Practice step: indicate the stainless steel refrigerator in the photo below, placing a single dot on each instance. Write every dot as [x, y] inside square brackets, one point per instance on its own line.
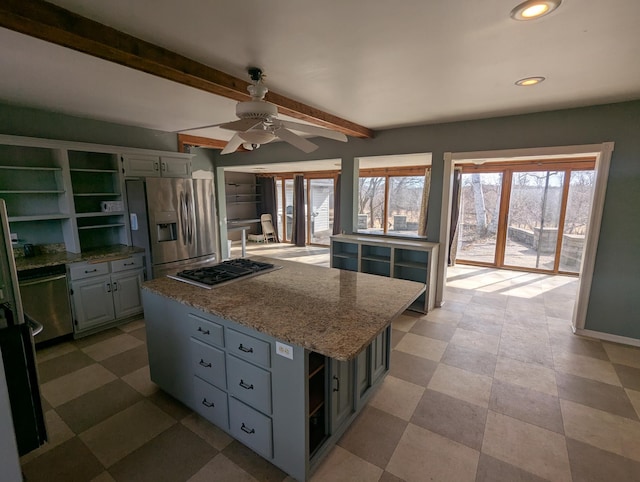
[175, 221]
[22, 426]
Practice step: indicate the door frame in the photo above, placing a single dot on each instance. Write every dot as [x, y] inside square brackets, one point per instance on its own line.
[602, 153]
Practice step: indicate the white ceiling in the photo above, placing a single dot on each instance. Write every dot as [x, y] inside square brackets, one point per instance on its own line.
[378, 63]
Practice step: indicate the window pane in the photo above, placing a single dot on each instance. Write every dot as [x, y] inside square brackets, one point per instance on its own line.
[534, 213]
[288, 195]
[479, 212]
[321, 210]
[405, 198]
[371, 205]
[279, 202]
[576, 219]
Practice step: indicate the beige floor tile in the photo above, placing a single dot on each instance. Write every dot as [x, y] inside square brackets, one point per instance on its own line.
[68, 387]
[404, 322]
[118, 436]
[528, 375]
[54, 351]
[623, 355]
[57, 433]
[634, 396]
[209, 432]
[342, 465]
[423, 455]
[422, 346]
[397, 397]
[587, 367]
[221, 469]
[476, 341]
[462, 384]
[445, 316]
[534, 449]
[112, 346]
[133, 325]
[103, 477]
[141, 381]
[601, 429]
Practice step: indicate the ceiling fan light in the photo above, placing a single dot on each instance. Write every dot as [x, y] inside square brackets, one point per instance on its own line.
[529, 81]
[257, 136]
[532, 9]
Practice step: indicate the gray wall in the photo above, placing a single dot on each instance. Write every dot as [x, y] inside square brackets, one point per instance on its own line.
[614, 297]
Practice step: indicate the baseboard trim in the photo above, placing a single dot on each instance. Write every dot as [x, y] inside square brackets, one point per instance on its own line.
[625, 340]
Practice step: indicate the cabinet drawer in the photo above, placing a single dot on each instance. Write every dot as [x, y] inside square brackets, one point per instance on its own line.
[208, 363]
[206, 330]
[249, 383]
[211, 403]
[87, 270]
[249, 348]
[126, 264]
[251, 428]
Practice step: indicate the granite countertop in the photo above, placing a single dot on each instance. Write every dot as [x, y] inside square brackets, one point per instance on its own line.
[53, 259]
[334, 312]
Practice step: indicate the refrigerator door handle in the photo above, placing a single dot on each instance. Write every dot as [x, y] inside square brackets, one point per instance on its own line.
[191, 218]
[183, 217]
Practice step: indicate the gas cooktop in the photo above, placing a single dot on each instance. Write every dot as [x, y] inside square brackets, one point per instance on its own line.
[223, 272]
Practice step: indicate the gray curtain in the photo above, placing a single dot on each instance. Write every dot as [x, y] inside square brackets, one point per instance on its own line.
[268, 201]
[455, 215]
[422, 219]
[336, 206]
[297, 233]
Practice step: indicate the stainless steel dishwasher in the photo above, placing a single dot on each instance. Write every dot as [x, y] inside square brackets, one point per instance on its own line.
[45, 298]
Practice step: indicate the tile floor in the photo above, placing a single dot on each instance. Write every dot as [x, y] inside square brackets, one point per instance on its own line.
[491, 387]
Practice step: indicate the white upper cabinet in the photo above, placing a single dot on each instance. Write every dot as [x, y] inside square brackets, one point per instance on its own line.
[144, 165]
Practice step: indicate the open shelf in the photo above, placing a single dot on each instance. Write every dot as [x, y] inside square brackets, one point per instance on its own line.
[99, 214]
[31, 168]
[38, 217]
[27, 191]
[94, 170]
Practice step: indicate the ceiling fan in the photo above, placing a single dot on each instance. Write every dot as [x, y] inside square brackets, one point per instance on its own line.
[259, 124]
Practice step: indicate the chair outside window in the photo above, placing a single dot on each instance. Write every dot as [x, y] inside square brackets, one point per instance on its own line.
[268, 232]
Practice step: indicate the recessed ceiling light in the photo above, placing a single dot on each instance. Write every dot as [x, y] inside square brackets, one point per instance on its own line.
[527, 81]
[532, 9]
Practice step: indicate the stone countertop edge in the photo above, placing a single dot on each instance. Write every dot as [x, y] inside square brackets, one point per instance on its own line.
[53, 259]
[334, 312]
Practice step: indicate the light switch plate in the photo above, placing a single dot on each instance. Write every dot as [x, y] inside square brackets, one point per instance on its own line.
[284, 350]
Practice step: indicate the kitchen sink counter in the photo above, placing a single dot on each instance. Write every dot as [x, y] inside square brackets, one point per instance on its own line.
[108, 253]
[329, 311]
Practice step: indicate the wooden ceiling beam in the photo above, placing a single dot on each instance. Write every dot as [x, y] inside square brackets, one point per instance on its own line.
[57, 25]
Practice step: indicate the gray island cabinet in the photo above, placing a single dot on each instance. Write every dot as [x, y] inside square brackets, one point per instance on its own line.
[283, 361]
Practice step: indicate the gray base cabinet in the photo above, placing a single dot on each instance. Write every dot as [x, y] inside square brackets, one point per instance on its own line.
[289, 409]
[103, 293]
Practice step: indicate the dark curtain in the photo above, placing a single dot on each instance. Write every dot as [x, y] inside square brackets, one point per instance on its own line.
[269, 201]
[297, 233]
[336, 205]
[455, 214]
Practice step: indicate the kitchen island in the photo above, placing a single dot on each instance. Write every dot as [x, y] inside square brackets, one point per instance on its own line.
[283, 361]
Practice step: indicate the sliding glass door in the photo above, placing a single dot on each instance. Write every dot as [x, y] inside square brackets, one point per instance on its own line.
[320, 222]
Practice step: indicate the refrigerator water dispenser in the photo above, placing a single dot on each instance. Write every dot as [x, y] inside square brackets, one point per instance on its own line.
[167, 226]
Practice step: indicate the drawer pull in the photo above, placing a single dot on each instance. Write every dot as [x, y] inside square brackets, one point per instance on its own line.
[337, 389]
[245, 386]
[247, 430]
[245, 349]
[204, 332]
[205, 364]
[87, 271]
[129, 264]
[208, 404]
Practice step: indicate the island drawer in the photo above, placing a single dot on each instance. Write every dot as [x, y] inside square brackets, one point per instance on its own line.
[249, 383]
[211, 403]
[87, 270]
[249, 348]
[206, 330]
[208, 363]
[126, 264]
[250, 427]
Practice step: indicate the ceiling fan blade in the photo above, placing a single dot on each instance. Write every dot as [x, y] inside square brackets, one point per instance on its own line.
[314, 130]
[232, 145]
[241, 125]
[295, 140]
